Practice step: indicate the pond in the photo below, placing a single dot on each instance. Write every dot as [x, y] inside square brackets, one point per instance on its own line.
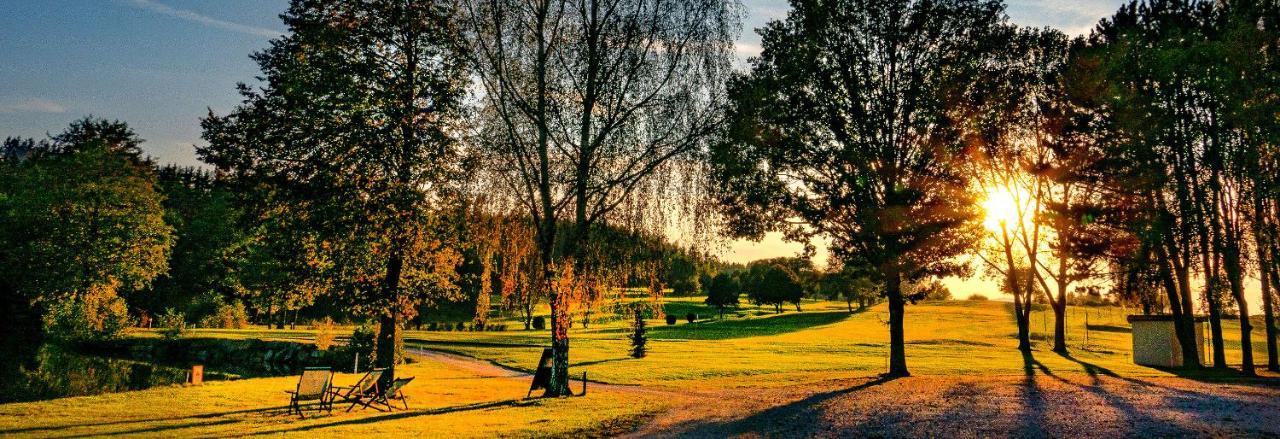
[50, 371]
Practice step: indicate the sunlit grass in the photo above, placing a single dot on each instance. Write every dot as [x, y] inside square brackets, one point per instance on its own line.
[750, 348]
[444, 402]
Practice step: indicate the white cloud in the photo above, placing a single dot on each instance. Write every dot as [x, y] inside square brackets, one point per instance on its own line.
[159, 8]
[32, 106]
[746, 50]
[1074, 17]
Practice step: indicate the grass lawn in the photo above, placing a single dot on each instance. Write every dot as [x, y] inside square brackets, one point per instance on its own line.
[825, 342]
[444, 401]
[797, 352]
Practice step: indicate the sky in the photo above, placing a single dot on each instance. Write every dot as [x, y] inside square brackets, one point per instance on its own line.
[161, 65]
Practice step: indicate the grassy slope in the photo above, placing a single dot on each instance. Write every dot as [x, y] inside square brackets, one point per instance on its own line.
[752, 349]
[825, 342]
[446, 402]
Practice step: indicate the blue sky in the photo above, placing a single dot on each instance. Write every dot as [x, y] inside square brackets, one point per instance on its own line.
[158, 64]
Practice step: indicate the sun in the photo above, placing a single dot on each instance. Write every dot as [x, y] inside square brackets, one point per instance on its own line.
[1001, 208]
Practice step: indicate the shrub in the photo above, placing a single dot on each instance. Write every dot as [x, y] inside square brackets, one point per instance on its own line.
[539, 323]
[691, 317]
[324, 334]
[977, 297]
[639, 335]
[94, 317]
[461, 327]
[227, 316]
[362, 343]
[431, 326]
[172, 323]
[671, 319]
[931, 290]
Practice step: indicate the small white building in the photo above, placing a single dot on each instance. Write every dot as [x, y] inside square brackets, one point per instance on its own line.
[1155, 341]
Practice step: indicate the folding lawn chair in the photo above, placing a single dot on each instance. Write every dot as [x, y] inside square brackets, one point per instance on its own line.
[367, 387]
[313, 385]
[392, 393]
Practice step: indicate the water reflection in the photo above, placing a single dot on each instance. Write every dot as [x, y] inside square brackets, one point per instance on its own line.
[49, 371]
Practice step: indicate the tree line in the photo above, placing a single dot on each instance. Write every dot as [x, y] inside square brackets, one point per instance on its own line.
[1137, 156]
[391, 152]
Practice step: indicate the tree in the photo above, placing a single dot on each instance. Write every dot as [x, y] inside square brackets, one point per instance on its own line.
[205, 214]
[772, 284]
[850, 126]
[1149, 76]
[638, 335]
[1247, 82]
[1040, 208]
[517, 270]
[82, 222]
[929, 289]
[722, 291]
[585, 102]
[378, 86]
[682, 273]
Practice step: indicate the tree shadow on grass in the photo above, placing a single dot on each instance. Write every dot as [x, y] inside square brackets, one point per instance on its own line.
[407, 414]
[1221, 375]
[157, 429]
[53, 428]
[742, 328]
[780, 420]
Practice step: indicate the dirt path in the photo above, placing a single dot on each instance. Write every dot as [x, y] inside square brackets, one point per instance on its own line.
[1041, 404]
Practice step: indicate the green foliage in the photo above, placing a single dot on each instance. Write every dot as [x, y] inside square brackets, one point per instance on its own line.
[931, 290]
[768, 283]
[639, 334]
[671, 319]
[324, 334]
[853, 125]
[227, 316]
[374, 178]
[205, 266]
[682, 274]
[172, 324]
[723, 291]
[95, 316]
[362, 343]
[84, 218]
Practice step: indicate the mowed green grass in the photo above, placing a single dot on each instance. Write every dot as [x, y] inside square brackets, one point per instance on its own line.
[823, 342]
[752, 349]
[444, 402]
[753, 346]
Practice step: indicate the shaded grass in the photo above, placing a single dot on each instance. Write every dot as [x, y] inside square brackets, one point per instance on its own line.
[444, 401]
[740, 328]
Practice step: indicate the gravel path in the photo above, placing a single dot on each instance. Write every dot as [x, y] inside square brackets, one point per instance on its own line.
[1039, 404]
[1000, 406]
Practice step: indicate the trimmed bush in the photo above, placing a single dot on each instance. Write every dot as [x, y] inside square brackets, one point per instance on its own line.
[691, 317]
[324, 334]
[671, 319]
[174, 324]
[93, 317]
[363, 342]
[638, 335]
[539, 323]
[227, 316]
